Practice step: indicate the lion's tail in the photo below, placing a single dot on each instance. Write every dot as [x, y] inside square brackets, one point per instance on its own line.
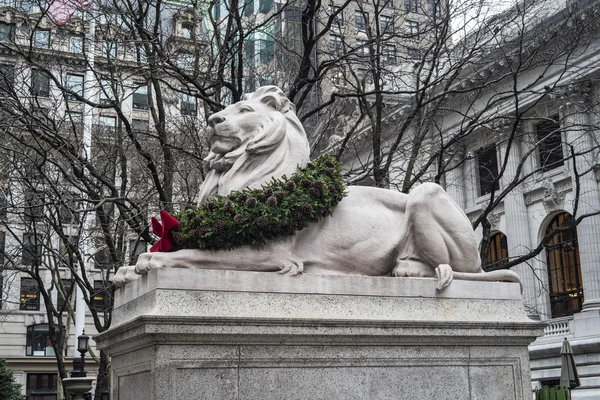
[504, 275]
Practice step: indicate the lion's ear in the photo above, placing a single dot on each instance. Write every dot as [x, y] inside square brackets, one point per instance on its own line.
[268, 139]
[273, 100]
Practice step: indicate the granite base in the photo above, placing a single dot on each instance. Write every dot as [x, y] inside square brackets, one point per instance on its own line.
[206, 334]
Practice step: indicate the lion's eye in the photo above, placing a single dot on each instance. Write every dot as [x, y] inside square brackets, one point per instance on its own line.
[245, 110]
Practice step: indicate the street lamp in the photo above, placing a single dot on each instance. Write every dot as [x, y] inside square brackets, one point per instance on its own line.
[83, 345]
[79, 384]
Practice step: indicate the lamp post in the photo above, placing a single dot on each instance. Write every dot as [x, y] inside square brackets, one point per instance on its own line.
[79, 384]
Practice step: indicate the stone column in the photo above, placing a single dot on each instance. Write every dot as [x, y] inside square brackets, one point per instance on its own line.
[516, 222]
[455, 179]
[579, 133]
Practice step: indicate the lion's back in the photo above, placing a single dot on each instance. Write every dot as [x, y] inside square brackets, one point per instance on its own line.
[362, 236]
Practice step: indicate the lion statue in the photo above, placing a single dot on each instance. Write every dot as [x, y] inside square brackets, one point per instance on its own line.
[373, 231]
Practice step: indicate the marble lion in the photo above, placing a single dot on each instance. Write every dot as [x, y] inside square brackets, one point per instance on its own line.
[374, 232]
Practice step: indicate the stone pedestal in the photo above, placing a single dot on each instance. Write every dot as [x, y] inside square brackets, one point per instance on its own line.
[199, 334]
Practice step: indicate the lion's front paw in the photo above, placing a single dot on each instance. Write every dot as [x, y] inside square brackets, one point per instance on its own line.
[147, 262]
[444, 275]
[125, 275]
[292, 268]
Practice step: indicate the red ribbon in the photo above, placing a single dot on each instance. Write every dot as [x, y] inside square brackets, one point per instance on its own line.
[164, 232]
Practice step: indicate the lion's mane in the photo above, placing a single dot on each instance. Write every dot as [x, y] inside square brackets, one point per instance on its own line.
[275, 151]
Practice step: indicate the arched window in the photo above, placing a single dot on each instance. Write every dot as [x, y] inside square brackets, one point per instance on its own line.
[497, 254]
[564, 272]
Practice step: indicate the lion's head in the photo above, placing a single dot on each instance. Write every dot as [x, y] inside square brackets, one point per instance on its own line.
[253, 140]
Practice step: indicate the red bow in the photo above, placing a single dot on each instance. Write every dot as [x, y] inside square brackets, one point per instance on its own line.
[164, 232]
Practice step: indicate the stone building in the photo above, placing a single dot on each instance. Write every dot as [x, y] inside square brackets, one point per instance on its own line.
[45, 70]
[517, 145]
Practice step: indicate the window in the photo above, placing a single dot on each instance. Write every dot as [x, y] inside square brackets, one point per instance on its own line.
[34, 202]
[109, 49]
[412, 29]
[564, 271]
[38, 343]
[338, 19]
[7, 32]
[433, 7]
[487, 167]
[106, 92]
[7, 79]
[360, 20]
[264, 6]
[74, 121]
[30, 295]
[3, 202]
[248, 8]
[186, 31]
[266, 48]
[339, 76]
[69, 250]
[74, 83]
[42, 386]
[389, 54]
[68, 213]
[362, 48]
[550, 144]
[40, 83]
[141, 54]
[99, 297]
[249, 50]
[185, 61]
[140, 125]
[364, 76]
[2, 250]
[387, 4]
[107, 124]
[413, 53]
[336, 45]
[135, 249]
[64, 296]
[41, 38]
[497, 254]
[76, 44]
[411, 5]
[189, 105]
[140, 97]
[386, 24]
[101, 255]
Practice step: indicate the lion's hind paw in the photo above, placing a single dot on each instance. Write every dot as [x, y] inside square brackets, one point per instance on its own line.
[292, 268]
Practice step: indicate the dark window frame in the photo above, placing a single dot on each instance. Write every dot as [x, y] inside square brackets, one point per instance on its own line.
[337, 20]
[487, 170]
[550, 144]
[72, 86]
[497, 254]
[565, 282]
[187, 107]
[140, 97]
[29, 295]
[41, 391]
[40, 83]
[361, 19]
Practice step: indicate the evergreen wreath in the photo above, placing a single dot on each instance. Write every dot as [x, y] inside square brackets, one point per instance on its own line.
[254, 216]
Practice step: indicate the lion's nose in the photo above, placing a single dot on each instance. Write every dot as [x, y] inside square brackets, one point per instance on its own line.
[215, 119]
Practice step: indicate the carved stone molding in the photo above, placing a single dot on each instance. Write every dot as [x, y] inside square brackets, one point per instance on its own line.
[578, 93]
[494, 219]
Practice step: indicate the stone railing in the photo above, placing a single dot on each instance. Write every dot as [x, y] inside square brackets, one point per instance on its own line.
[558, 326]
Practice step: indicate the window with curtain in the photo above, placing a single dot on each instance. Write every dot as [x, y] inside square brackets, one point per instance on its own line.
[497, 254]
[564, 271]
